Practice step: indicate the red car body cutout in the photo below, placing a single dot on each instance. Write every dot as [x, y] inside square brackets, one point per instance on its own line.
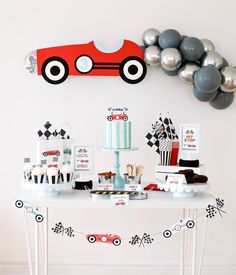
[117, 117]
[104, 238]
[51, 153]
[56, 63]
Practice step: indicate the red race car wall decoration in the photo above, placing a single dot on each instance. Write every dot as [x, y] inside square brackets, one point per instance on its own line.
[55, 64]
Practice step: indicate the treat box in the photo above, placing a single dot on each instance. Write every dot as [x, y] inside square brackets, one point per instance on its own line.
[162, 171]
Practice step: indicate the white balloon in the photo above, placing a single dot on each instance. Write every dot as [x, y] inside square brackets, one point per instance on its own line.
[170, 59]
[152, 55]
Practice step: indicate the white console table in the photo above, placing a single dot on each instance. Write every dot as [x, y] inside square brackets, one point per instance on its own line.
[156, 200]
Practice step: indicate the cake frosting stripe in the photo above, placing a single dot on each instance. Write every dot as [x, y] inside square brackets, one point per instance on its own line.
[125, 134]
[118, 143]
[129, 135]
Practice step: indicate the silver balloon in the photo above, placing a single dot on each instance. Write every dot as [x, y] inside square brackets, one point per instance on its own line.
[213, 58]
[150, 37]
[31, 62]
[187, 72]
[170, 59]
[208, 45]
[229, 79]
[152, 55]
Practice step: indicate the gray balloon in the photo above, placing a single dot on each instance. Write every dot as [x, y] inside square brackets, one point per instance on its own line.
[208, 45]
[169, 39]
[150, 37]
[229, 79]
[187, 72]
[205, 97]
[212, 58]
[171, 73]
[192, 48]
[152, 55]
[222, 100]
[170, 59]
[207, 79]
[183, 37]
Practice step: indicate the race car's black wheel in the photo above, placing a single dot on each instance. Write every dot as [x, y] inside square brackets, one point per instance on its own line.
[19, 204]
[55, 70]
[116, 242]
[92, 239]
[167, 233]
[125, 118]
[39, 218]
[133, 69]
[190, 224]
[109, 118]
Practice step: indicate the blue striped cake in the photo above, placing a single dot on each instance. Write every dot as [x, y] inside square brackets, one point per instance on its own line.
[117, 134]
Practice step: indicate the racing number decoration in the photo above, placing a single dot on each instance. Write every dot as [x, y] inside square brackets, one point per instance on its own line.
[57, 63]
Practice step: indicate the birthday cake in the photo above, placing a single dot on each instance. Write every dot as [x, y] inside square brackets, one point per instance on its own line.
[117, 132]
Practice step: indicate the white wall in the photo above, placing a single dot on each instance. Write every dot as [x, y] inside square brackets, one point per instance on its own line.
[29, 101]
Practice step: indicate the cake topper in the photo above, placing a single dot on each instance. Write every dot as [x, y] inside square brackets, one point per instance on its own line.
[118, 114]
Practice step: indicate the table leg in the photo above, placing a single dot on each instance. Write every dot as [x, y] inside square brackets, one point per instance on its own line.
[27, 238]
[46, 241]
[182, 246]
[194, 256]
[187, 248]
[203, 245]
[36, 248]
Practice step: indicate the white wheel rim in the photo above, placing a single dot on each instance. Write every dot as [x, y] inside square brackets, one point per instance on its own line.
[56, 64]
[133, 76]
[104, 239]
[116, 242]
[29, 209]
[84, 64]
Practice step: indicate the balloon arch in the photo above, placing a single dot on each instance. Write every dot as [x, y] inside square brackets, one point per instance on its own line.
[195, 62]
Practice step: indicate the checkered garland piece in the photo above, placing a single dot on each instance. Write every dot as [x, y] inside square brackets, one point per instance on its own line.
[162, 129]
[48, 131]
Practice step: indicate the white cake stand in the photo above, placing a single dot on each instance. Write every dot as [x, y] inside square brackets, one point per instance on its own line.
[45, 189]
[183, 190]
[119, 181]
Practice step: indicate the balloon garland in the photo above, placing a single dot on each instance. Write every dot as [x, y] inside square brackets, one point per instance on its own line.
[195, 62]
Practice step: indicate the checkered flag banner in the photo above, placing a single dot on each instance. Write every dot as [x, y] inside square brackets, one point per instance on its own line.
[162, 129]
[48, 131]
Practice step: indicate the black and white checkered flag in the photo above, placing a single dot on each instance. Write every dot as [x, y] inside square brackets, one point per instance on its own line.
[162, 129]
[47, 131]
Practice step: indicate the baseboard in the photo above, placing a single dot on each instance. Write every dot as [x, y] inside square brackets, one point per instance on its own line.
[72, 269]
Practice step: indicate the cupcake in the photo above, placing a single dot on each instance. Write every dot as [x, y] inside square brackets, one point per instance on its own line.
[38, 174]
[66, 172]
[52, 174]
[27, 170]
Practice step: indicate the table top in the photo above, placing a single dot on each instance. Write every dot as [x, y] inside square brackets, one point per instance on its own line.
[156, 200]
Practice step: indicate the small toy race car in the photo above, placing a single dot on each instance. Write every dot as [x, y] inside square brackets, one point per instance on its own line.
[187, 223]
[30, 209]
[51, 153]
[104, 238]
